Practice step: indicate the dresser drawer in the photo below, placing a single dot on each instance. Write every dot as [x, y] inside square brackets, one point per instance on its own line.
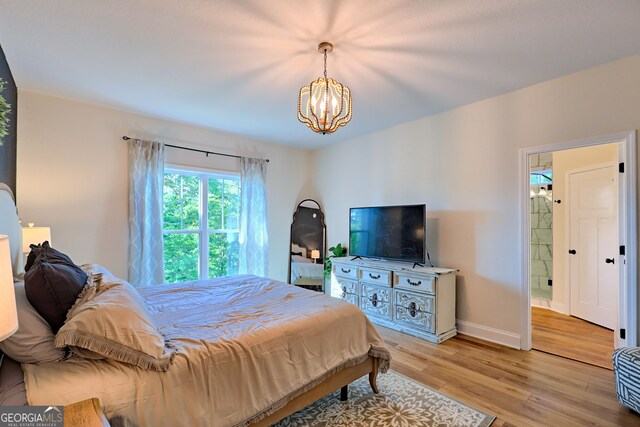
[415, 319]
[347, 272]
[411, 301]
[376, 277]
[415, 283]
[347, 286]
[352, 298]
[376, 307]
[373, 292]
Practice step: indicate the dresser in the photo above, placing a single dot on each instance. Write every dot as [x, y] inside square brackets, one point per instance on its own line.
[419, 301]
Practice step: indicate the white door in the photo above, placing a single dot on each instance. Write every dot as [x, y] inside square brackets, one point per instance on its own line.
[593, 245]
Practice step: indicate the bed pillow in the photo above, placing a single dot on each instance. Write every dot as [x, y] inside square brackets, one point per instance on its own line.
[96, 269]
[300, 258]
[53, 255]
[12, 388]
[52, 284]
[33, 341]
[113, 322]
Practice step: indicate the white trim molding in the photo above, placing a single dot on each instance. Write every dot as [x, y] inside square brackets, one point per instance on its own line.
[560, 308]
[486, 333]
[549, 305]
[628, 292]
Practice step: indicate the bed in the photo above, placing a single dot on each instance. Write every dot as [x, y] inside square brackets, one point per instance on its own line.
[245, 351]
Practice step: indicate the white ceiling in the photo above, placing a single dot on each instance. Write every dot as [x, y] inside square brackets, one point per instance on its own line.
[237, 65]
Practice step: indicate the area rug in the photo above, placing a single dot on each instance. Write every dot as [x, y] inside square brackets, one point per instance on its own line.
[402, 402]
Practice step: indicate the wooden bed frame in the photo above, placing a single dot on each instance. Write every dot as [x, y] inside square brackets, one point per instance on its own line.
[339, 380]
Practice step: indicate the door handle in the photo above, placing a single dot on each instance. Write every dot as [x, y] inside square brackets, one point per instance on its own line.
[572, 251]
[610, 261]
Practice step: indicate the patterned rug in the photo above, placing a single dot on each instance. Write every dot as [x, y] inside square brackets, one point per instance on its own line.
[402, 402]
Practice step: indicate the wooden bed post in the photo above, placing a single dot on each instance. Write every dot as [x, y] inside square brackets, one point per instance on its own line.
[344, 393]
[373, 375]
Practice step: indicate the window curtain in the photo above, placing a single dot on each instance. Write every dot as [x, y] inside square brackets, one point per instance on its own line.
[253, 238]
[146, 181]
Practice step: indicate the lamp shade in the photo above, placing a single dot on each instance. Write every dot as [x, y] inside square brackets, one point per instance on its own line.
[34, 236]
[8, 312]
[315, 254]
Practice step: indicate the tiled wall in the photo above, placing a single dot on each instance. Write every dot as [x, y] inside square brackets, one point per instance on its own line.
[541, 233]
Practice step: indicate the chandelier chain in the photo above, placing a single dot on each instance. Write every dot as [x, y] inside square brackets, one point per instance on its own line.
[325, 64]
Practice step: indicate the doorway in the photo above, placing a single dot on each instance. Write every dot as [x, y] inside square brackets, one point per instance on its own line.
[576, 211]
[574, 235]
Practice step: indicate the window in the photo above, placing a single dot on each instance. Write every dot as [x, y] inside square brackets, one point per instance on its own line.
[541, 177]
[201, 223]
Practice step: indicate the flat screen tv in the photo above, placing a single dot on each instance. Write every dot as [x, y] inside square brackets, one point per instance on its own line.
[388, 232]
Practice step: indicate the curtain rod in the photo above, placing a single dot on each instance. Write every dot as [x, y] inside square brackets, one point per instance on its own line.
[126, 138]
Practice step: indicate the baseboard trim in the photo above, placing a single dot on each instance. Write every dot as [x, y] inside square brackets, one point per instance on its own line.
[550, 305]
[487, 333]
[560, 308]
[542, 303]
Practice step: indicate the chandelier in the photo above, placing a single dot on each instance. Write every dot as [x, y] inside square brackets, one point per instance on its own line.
[325, 104]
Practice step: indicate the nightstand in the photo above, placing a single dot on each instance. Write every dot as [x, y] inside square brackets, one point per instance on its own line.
[85, 414]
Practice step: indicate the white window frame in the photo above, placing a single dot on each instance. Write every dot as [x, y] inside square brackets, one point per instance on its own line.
[203, 229]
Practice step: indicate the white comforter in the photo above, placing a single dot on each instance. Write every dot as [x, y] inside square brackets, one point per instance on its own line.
[245, 346]
[301, 270]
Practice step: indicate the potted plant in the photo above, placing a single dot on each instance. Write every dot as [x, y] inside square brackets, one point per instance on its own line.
[5, 109]
[336, 251]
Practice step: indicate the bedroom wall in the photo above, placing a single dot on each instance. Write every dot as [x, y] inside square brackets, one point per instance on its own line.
[464, 165]
[73, 175]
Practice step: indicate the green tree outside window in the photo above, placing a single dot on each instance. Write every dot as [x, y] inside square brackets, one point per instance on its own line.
[200, 234]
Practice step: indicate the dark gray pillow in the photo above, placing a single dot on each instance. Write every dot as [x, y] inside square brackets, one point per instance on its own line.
[53, 284]
[53, 255]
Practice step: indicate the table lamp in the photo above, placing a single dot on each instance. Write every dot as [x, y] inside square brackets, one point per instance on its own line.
[315, 254]
[8, 312]
[34, 236]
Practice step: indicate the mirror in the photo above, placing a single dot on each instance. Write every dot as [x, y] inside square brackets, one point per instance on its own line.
[307, 246]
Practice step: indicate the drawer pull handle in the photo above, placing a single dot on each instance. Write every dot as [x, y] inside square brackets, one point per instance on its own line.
[412, 309]
[343, 295]
[374, 276]
[374, 300]
[345, 270]
[344, 289]
[418, 283]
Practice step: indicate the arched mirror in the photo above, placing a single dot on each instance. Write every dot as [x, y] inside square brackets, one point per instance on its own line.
[307, 249]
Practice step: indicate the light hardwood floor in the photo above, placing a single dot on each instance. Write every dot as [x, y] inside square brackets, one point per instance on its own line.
[521, 388]
[571, 337]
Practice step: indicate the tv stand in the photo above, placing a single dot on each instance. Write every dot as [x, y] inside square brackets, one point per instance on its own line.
[419, 302]
[356, 257]
[418, 264]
